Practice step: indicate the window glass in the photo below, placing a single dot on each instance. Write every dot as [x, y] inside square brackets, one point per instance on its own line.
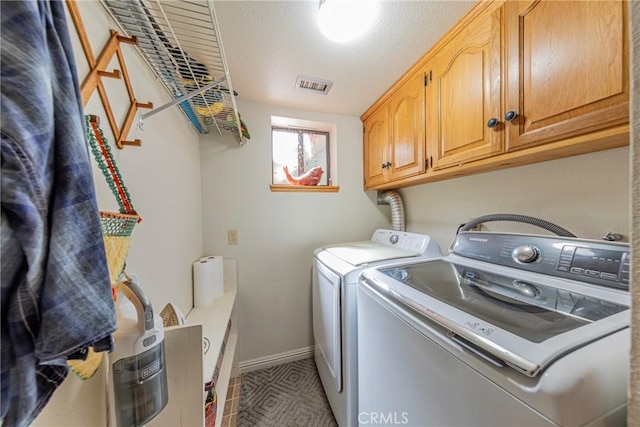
[298, 151]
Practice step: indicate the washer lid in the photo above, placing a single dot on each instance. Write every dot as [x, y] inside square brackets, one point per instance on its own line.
[362, 253]
[524, 320]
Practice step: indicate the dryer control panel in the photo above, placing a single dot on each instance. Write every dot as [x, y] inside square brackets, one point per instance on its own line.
[420, 243]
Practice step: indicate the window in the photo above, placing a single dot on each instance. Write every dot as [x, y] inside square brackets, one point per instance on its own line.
[299, 150]
[301, 153]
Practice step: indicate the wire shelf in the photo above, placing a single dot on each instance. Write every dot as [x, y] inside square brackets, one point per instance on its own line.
[180, 41]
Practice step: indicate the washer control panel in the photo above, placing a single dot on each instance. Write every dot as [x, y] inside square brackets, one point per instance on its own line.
[595, 262]
[591, 261]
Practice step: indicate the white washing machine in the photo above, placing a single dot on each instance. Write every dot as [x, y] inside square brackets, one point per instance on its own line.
[336, 270]
[507, 330]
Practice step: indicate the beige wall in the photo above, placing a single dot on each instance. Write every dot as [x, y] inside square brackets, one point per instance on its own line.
[587, 194]
[278, 231]
[163, 177]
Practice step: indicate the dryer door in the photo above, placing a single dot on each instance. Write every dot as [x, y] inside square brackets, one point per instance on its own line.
[326, 321]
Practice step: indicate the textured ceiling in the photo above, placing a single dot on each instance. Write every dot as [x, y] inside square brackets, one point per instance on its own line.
[269, 43]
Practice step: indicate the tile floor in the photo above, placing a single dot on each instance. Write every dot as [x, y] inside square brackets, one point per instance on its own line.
[230, 415]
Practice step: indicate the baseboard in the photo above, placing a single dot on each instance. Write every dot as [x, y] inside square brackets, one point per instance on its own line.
[275, 359]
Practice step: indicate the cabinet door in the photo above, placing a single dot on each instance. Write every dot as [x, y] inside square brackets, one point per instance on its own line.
[376, 146]
[463, 94]
[183, 353]
[568, 69]
[406, 112]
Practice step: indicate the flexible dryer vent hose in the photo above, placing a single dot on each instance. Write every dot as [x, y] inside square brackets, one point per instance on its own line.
[393, 199]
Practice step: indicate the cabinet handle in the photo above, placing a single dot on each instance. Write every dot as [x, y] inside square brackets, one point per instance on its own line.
[384, 166]
[493, 122]
[510, 115]
[428, 78]
[388, 164]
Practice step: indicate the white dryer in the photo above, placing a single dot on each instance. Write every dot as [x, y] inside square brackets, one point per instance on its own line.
[336, 270]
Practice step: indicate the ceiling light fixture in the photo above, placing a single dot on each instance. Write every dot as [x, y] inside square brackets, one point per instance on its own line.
[346, 20]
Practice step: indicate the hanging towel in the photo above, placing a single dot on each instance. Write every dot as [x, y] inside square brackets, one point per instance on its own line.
[56, 295]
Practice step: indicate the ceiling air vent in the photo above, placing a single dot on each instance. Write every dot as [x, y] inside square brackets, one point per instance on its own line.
[313, 84]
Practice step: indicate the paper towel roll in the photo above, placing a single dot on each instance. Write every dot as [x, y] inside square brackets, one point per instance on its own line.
[208, 281]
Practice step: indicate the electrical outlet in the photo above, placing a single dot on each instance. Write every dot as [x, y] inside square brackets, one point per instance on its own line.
[232, 237]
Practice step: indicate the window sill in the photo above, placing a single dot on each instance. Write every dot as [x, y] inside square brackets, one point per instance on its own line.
[304, 188]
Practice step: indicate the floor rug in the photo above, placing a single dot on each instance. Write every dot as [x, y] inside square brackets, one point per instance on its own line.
[288, 395]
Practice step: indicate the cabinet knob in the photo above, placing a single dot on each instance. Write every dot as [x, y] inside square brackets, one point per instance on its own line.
[493, 122]
[510, 115]
[388, 164]
[384, 166]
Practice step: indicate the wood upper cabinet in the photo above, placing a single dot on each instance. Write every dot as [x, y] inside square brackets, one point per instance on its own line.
[406, 126]
[394, 141]
[463, 93]
[567, 69]
[513, 83]
[376, 147]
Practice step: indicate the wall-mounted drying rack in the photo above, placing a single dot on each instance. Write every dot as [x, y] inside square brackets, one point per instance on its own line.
[180, 41]
[97, 70]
